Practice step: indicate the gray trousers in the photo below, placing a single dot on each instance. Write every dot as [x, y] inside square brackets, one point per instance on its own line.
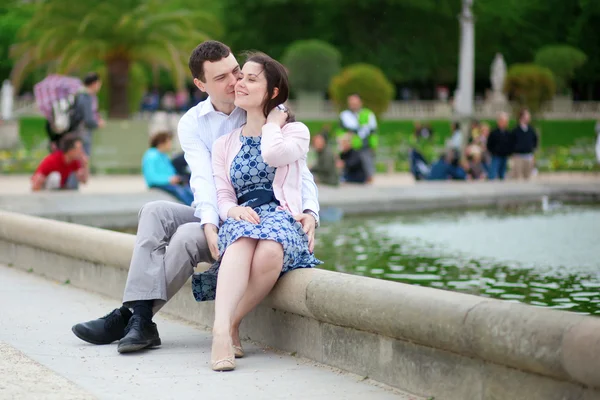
[170, 242]
[367, 156]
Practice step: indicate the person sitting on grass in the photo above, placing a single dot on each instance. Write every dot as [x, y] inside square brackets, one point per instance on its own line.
[62, 169]
[350, 162]
[159, 172]
[324, 170]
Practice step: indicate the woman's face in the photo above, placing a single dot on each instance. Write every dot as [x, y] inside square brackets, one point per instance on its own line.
[251, 88]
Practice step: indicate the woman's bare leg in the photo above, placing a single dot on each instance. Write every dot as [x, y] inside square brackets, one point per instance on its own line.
[232, 281]
[264, 272]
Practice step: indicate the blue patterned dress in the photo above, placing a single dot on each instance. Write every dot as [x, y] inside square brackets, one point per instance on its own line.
[250, 173]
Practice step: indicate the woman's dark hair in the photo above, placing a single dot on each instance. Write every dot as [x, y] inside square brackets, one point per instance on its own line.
[277, 77]
[160, 138]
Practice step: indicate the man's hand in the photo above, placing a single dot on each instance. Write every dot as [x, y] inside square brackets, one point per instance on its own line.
[174, 180]
[101, 123]
[308, 223]
[212, 238]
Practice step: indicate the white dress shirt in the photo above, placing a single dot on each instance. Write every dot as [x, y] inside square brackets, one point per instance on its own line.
[197, 130]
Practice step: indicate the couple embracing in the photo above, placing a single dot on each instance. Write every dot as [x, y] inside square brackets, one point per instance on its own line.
[254, 214]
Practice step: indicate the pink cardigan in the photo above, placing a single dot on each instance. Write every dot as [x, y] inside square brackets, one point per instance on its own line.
[282, 148]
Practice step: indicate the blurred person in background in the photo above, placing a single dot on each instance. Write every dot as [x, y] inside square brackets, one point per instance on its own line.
[524, 143]
[363, 123]
[350, 162]
[159, 172]
[325, 170]
[64, 168]
[85, 101]
[500, 147]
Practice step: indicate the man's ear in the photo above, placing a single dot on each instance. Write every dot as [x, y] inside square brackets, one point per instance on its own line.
[199, 84]
[275, 93]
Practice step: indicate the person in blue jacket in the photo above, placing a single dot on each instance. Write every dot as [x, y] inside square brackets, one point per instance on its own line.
[159, 172]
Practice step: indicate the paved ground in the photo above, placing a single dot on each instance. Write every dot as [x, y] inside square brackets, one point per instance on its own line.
[114, 201]
[105, 184]
[41, 359]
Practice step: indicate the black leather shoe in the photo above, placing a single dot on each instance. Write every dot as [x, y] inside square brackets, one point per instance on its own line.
[104, 330]
[140, 333]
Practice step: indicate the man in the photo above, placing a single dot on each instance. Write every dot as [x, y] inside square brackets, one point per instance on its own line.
[500, 146]
[84, 108]
[324, 170]
[170, 239]
[362, 122]
[350, 161]
[524, 143]
[62, 169]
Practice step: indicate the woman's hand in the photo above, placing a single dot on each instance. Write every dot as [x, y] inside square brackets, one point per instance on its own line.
[212, 238]
[244, 214]
[278, 116]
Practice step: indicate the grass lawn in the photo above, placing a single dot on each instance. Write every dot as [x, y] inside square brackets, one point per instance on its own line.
[565, 144]
[553, 132]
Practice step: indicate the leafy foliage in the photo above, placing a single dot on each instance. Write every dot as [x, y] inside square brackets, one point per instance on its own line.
[530, 85]
[72, 36]
[366, 80]
[311, 64]
[562, 60]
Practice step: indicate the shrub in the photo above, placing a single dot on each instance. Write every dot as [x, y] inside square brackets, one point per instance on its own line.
[366, 80]
[311, 64]
[530, 85]
[562, 60]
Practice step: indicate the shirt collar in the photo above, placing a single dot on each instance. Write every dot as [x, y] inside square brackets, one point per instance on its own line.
[206, 107]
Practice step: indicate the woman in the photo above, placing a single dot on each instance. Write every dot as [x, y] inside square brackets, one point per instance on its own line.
[159, 172]
[257, 171]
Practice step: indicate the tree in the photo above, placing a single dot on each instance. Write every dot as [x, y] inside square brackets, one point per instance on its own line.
[368, 81]
[72, 36]
[562, 60]
[530, 85]
[311, 64]
[13, 15]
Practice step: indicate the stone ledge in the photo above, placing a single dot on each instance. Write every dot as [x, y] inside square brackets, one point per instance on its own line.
[385, 330]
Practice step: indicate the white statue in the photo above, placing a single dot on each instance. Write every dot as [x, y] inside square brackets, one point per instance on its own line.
[498, 73]
[497, 77]
[6, 100]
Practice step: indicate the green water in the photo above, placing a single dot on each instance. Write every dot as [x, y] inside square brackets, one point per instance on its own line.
[549, 259]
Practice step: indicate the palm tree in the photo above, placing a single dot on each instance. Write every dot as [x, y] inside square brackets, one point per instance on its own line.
[72, 36]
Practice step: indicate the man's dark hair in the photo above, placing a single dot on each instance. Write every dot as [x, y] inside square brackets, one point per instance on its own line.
[68, 142]
[212, 51]
[91, 78]
[160, 138]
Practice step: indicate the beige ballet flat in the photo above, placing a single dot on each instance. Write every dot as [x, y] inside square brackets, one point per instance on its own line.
[226, 364]
[238, 351]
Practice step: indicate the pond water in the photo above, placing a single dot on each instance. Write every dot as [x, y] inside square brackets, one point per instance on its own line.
[543, 258]
[524, 254]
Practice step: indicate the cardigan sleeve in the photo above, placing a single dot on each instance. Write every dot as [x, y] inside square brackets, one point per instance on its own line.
[283, 146]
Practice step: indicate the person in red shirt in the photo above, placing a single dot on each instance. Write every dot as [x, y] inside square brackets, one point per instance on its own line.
[62, 169]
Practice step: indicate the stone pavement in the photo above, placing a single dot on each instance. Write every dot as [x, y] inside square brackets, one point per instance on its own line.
[112, 184]
[41, 359]
[114, 201]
